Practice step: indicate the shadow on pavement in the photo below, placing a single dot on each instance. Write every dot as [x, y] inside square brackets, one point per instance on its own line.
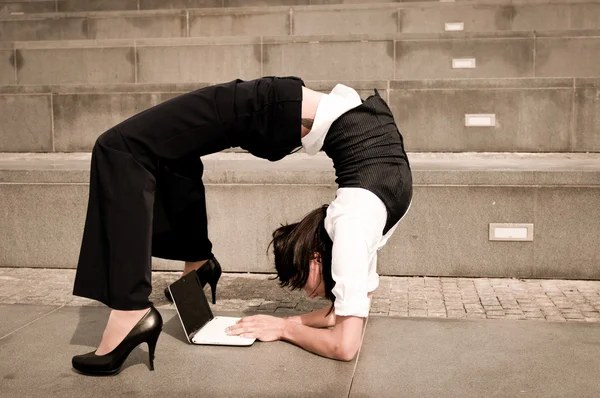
[173, 328]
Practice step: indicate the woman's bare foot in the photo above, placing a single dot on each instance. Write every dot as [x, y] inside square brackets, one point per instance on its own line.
[118, 327]
[192, 266]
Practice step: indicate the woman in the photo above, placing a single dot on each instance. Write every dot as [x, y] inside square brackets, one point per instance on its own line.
[332, 252]
[147, 198]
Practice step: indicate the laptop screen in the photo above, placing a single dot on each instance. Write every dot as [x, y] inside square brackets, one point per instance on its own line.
[191, 303]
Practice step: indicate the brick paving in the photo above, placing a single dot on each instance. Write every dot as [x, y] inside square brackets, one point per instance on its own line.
[432, 297]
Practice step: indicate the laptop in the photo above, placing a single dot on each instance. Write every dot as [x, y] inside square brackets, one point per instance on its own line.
[199, 324]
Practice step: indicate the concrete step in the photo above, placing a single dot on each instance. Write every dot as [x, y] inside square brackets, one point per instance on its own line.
[446, 232]
[302, 20]
[43, 6]
[11, 7]
[531, 115]
[338, 57]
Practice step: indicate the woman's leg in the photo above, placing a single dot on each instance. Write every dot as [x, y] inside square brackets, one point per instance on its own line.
[114, 262]
[129, 164]
[180, 221]
[180, 230]
[115, 258]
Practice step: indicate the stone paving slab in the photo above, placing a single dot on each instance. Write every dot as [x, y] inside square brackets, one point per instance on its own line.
[399, 357]
[36, 362]
[431, 297]
[14, 317]
[471, 358]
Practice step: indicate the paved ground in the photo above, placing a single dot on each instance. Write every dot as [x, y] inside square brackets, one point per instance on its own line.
[399, 357]
[454, 298]
[408, 349]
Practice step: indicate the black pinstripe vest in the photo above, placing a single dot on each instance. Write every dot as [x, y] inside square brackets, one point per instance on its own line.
[368, 152]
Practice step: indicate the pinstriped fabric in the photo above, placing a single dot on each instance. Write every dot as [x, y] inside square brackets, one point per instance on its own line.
[368, 152]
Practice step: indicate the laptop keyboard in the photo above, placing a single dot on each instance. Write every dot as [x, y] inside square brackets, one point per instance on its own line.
[214, 333]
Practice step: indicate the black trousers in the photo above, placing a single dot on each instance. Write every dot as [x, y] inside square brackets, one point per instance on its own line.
[146, 194]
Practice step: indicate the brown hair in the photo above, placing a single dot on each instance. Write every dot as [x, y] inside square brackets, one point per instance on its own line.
[294, 245]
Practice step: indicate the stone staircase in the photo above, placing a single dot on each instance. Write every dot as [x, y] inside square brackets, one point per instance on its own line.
[336, 19]
[501, 119]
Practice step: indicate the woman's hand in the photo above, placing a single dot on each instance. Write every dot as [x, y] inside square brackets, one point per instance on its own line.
[261, 327]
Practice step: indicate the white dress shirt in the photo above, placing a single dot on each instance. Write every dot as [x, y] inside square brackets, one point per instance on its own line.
[355, 219]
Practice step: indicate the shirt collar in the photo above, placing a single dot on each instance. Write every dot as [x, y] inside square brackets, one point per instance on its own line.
[333, 105]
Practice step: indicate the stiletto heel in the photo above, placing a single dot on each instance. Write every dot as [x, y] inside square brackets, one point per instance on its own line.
[210, 273]
[146, 330]
[213, 290]
[152, 348]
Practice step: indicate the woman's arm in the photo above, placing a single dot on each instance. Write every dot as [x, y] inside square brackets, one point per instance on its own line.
[342, 342]
[322, 318]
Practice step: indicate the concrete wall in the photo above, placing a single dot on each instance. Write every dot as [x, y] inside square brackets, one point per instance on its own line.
[444, 233]
[6, 7]
[323, 20]
[358, 57]
[532, 115]
[39, 6]
[587, 116]
[7, 69]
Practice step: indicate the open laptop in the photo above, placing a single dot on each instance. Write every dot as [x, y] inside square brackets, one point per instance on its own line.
[199, 324]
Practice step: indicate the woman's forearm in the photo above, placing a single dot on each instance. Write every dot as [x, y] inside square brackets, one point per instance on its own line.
[341, 342]
[321, 318]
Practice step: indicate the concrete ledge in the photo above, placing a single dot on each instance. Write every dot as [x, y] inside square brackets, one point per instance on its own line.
[337, 19]
[189, 41]
[554, 114]
[16, 8]
[445, 233]
[429, 169]
[345, 57]
[320, 85]
[186, 41]
[8, 7]
[473, 84]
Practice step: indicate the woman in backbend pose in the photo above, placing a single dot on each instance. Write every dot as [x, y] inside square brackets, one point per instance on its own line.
[147, 199]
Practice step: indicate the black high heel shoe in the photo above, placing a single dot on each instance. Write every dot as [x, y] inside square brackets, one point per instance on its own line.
[209, 272]
[146, 330]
